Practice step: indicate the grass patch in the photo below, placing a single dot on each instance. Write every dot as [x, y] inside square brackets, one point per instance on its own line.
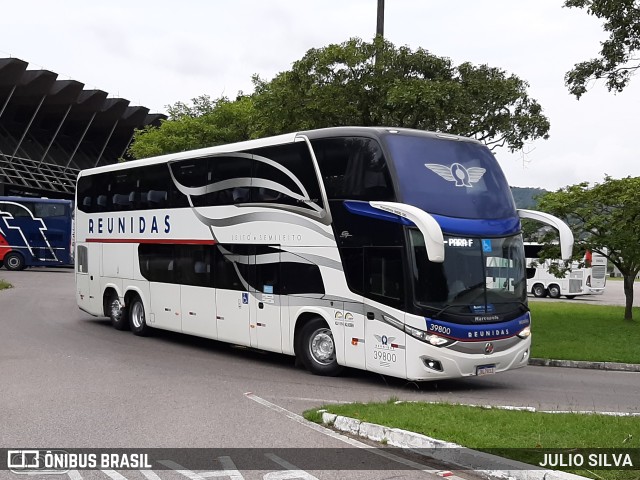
[573, 331]
[493, 429]
[4, 284]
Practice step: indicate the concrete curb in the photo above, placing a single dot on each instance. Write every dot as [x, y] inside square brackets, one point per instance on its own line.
[450, 453]
[620, 367]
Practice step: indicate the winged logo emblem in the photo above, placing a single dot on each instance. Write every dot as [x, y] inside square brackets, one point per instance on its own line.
[383, 339]
[463, 177]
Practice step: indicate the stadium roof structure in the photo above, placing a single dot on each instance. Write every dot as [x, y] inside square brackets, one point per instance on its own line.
[51, 129]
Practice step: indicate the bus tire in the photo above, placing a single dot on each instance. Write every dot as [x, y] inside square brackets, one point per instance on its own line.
[317, 348]
[117, 313]
[554, 291]
[14, 261]
[539, 291]
[137, 318]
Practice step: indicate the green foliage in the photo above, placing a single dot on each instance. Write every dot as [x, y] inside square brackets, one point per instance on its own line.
[604, 219]
[4, 284]
[359, 83]
[526, 197]
[520, 435]
[618, 59]
[203, 124]
[556, 325]
[373, 84]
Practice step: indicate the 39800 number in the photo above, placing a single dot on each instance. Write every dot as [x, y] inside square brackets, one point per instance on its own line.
[384, 356]
[440, 329]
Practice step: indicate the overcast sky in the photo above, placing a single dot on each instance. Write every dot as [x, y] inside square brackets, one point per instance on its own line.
[158, 52]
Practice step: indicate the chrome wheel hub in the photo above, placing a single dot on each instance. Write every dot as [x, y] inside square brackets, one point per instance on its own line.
[322, 347]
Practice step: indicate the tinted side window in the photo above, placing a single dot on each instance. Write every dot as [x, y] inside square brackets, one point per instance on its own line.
[384, 275]
[194, 265]
[218, 180]
[157, 263]
[18, 211]
[152, 187]
[228, 273]
[353, 262]
[51, 210]
[300, 278]
[83, 259]
[138, 188]
[86, 193]
[275, 185]
[353, 168]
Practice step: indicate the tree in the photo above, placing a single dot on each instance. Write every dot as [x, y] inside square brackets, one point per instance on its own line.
[204, 123]
[617, 61]
[360, 83]
[604, 219]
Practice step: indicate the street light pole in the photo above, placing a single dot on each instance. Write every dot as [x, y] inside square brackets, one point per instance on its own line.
[380, 22]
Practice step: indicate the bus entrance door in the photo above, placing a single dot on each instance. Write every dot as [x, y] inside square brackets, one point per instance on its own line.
[266, 329]
[232, 298]
[87, 276]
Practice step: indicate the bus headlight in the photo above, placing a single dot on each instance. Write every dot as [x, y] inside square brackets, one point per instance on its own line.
[525, 332]
[434, 340]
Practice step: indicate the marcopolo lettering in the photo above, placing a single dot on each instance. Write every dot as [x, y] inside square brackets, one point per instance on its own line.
[130, 225]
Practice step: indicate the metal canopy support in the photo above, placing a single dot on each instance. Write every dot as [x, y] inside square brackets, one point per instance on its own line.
[106, 142]
[26, 130]
[55, 135]
[6, 102]
[86, 129]
[127, 146]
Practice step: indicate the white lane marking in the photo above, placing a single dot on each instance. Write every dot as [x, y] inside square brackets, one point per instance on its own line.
[343, 438]
[230, 470]
[114, 475]
[150, 475]
[74, 475]
[291, 473]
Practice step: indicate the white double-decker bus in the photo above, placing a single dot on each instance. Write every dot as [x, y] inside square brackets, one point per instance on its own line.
[587, 277]
[390, 250]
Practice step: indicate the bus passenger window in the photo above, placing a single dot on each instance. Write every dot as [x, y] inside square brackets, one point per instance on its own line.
[385, 275]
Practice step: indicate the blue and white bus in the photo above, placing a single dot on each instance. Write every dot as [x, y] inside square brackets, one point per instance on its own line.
[35, 232]
[390, 250]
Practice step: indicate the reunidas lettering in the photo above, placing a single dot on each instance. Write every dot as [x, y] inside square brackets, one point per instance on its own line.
[130, 225]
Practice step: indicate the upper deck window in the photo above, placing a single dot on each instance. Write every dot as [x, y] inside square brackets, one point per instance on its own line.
[353, 168]
[449, 177]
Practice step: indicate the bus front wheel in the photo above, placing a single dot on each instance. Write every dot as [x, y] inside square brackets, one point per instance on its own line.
[137, 318]
[539, 291]
[554, 291]
[317, 348]
[14, 261]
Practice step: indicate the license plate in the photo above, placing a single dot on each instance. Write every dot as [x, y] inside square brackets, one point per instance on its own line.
[485, 370]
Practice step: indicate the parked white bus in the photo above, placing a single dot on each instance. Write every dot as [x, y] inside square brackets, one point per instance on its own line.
[588, 279]
[390, 250]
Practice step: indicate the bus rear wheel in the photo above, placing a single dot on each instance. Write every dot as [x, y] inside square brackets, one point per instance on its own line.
[137, 318]
[117, 313]
[14, 261]
[539, 291]
[317, 348]
[554, 291]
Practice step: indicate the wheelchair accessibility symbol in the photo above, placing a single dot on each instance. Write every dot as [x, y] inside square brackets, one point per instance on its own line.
[245, 298]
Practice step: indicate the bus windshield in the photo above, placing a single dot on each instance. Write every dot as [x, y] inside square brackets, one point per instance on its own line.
[451, 178]
[478, 273]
